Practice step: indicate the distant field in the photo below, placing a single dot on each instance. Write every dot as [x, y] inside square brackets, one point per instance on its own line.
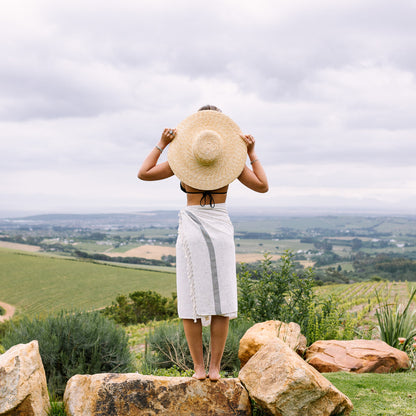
[40, 282]
[145, 251]
[17, 246]
[36, 283]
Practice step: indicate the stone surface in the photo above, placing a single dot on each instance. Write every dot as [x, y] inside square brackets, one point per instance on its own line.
[23, 389]
[282, 383]
[357, 356]
[262, 333]
[136, 394]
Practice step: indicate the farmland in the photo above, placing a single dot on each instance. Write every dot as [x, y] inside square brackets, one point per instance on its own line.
[84, 261]
[37, 284]
[360, 300]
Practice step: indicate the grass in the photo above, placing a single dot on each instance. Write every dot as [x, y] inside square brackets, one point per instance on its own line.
[378, 394]
[38, 284]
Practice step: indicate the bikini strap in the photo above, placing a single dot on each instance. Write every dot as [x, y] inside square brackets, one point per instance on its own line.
[205, 195]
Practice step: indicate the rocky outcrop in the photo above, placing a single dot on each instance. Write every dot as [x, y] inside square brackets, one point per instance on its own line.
[357, 356]
[262, 333]
[282, 383]
[136, 394]
[23, 389]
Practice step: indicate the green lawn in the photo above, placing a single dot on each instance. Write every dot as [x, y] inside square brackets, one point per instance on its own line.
[37, 284]
[378, 394]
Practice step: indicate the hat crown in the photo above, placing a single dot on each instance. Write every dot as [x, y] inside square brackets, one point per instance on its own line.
[206, 147]
[207, 152]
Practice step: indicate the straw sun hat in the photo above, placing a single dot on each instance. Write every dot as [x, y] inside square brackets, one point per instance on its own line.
[207, 152]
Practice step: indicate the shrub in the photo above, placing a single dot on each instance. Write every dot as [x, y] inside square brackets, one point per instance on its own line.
[141, 307]
[2, 311]
[276, 292]
[326, 321]
[166, 347]
[396, 321]
[73, 343]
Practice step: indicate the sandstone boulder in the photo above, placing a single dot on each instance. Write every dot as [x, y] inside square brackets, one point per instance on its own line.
[358, 356]
[23, 389]
[283, 384]
[262, 333]
[136, 394]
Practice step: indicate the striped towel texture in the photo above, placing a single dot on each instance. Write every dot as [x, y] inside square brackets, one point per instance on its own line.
[205, 264]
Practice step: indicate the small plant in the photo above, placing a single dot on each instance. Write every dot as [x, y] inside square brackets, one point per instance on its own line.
[57, 408]
[166, 347]
[73, 343]
[2, 311]
[395, 322]
[412, 354]
[328, 321]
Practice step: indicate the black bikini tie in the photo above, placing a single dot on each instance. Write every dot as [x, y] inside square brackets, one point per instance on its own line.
[205, 195]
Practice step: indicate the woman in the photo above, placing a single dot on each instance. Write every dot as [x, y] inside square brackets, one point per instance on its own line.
[207, 153]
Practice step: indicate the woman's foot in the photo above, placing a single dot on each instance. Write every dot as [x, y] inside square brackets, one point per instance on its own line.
[200, 373]
[214, 375]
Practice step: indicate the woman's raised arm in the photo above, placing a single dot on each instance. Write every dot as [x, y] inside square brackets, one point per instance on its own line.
[255, 179]
[150, 169]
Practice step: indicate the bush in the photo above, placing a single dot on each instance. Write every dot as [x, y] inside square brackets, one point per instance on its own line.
[73, 343]
[166, 347]
[276, 292]
[326, 321]
[2, 311]
[141, 307]
[396, 321]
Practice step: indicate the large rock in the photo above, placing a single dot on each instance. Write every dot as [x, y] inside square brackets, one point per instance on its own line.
[357, 356]
[262, 333]
[136, 394]
[23, 389]
[283, 384]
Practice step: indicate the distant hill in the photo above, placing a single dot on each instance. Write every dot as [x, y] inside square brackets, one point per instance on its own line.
[151, 218]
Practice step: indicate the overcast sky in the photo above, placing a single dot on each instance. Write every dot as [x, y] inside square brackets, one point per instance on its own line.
[326, 87]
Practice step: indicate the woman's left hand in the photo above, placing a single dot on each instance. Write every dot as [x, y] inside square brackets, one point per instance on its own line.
[167, 136]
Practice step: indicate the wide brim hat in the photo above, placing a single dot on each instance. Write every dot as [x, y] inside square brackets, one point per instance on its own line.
[207, 152]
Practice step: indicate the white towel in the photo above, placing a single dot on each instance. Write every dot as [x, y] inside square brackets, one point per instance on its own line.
[205, 264]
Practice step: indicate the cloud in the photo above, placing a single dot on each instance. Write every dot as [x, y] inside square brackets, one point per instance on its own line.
[327, 88]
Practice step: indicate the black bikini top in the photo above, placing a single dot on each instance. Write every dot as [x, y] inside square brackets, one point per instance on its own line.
[206, 195]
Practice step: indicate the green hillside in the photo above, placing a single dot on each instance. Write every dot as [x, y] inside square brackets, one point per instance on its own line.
[37, 284]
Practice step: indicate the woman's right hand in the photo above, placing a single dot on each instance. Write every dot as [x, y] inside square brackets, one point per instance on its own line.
[250, 142]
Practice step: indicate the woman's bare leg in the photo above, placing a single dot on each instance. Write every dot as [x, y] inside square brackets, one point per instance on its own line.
[193, 333]
[219, 332]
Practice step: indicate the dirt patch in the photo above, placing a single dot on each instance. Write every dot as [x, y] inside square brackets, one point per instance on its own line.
[307, 263]
[10, 310]
[17, 246]
[147, 251]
